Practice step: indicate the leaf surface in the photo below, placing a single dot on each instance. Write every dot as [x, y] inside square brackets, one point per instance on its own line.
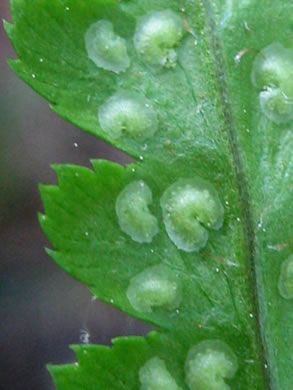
[211, 125]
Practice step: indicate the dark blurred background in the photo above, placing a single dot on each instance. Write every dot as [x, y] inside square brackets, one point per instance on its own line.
[42, 309]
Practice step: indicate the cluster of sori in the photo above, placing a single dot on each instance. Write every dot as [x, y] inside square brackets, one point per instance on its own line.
[207, 366]
[189, 208]
[130, 114]
[272, 75]
[155, 40]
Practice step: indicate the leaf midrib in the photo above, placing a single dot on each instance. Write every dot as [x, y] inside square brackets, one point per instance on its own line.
[254, 276]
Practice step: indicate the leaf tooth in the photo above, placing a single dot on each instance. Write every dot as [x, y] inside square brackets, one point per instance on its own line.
[104, 168]
[9, 28]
